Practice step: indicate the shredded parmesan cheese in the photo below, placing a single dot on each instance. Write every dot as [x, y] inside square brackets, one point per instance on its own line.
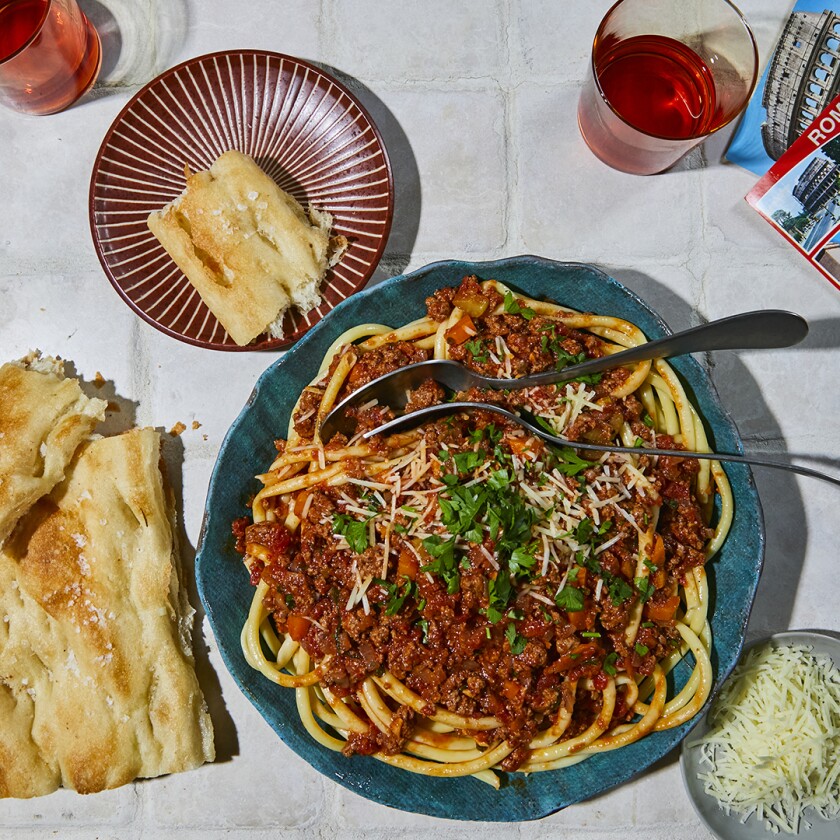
[773, 743]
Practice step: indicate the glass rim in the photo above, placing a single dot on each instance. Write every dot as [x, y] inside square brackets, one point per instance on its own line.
[751, 36]
[35, 33]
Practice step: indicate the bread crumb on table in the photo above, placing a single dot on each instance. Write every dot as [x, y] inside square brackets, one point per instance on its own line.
[177, 429]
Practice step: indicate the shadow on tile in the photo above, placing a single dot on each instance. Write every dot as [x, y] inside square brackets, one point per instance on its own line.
[139, 41]
[226, 739]
[407, 188]
[121, 414]
[822, 335]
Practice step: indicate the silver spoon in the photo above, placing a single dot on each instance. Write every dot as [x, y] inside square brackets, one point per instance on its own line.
[764, 329]
[414, 418]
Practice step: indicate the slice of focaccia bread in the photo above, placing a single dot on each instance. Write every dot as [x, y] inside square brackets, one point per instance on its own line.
[43, 419]
[247, 246]
[97, 680]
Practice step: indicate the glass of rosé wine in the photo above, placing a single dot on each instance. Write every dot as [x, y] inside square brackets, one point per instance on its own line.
[664, 75]
[49, 54]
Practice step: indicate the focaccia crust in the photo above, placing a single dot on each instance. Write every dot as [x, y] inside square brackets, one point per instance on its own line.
[43, 419]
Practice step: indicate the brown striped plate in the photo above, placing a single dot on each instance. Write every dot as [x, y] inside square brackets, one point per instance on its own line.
[303, 127]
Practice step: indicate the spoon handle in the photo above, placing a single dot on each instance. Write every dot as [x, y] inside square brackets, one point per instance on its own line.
[760, 330]
[414, 418]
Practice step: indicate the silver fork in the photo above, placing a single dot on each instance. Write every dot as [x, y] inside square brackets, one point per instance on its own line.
[763, 329]
[414, 418]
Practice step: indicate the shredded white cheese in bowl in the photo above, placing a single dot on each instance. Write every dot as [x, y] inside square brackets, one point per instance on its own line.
[766, 759]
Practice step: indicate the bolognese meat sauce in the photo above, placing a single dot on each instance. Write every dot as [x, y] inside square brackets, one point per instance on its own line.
[512, 571]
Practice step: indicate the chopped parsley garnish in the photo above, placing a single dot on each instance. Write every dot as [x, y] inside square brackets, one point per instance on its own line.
[499, 480]
[544, 424]
[290, 601]
[569, 463]
[522, 560]
[570, 599]
[353, 530]
[396, 598]
[565, 359]
[460, 512]
[444, 564]
[468, 461]
[499, 592]
[589, 378]
[400, 529]
[476, 349]
[517, 643]
[423, 624]
[584, 530]
[512, 307]
[620, 590]
[645, 587]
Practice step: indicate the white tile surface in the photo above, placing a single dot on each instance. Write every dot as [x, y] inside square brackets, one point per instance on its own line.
[477, 103]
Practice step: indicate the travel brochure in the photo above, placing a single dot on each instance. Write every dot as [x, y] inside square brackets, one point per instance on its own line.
[800, 195]
[789, 135]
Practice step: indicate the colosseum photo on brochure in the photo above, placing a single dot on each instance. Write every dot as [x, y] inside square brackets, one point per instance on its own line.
[800, 195]
[800, 80]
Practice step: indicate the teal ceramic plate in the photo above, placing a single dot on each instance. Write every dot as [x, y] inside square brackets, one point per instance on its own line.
[226, 593]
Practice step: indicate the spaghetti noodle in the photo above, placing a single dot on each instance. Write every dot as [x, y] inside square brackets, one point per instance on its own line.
[463, 598]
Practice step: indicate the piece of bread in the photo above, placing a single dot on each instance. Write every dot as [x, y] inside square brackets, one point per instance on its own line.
[97, 683]
[247, 246]
[43, 419]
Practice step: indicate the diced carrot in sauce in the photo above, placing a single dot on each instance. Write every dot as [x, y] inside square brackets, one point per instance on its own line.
[407, 565]
[518, 445]
[463, 330]
[297, 626]
[582, 619]
[658, 554]
[663, 611]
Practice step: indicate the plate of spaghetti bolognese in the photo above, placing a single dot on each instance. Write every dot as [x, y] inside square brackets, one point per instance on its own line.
[459, 620]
